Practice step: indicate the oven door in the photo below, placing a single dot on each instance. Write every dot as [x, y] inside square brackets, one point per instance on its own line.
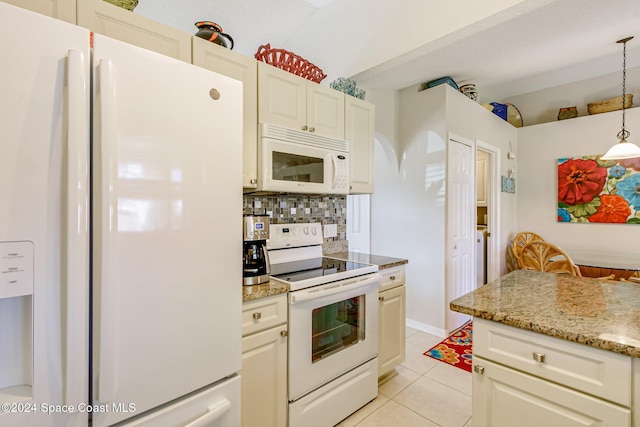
[298, 168]
[333, 328]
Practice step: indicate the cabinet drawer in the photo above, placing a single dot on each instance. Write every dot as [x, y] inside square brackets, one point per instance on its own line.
[598, 372]
[391, 277]
[506, 397]
[263, 313]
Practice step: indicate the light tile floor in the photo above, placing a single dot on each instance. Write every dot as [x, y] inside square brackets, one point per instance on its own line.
[424, 393]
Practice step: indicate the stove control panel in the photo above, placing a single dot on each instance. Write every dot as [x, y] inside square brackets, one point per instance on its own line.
[295, 235]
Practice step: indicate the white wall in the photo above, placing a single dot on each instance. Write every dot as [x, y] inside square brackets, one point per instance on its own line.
[408, 206]
[539, 147]
[407, 213]
[386, 102]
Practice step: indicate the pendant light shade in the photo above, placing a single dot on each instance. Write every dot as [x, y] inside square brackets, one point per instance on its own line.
[623, 149]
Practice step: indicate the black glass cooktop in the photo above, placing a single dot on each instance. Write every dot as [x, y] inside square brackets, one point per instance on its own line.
[297, 271]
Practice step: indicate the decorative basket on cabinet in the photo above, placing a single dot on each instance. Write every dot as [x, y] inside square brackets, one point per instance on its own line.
[289, 61]
[125, 4]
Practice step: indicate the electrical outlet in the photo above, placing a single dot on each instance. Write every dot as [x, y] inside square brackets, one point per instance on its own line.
[330, 230]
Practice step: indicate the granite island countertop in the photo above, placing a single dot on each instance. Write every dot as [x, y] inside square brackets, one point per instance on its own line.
[595, 312]
[274, 287]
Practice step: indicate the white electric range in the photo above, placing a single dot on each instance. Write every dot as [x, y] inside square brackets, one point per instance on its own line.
[333, 326]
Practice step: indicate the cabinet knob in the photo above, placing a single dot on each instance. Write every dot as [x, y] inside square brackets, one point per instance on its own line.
[304, 127]
[380, 298]
[257, 315]
[253, 181]
[284, 333]
[392, 277]
[478, 369]
[312, 129]
[538, 357]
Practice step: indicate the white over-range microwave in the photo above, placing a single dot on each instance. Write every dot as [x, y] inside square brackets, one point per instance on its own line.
[294, 161]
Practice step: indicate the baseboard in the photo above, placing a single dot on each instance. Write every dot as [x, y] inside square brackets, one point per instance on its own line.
[426, 328]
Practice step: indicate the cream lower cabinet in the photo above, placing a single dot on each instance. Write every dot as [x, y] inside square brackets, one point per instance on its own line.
[264, 362]
[244, 68]
[525, 379]
[359, 129]
[290, 101]
[64, 10]
[391, 320]
[118, 23]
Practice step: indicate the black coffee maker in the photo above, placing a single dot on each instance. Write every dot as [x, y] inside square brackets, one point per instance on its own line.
[255, 259]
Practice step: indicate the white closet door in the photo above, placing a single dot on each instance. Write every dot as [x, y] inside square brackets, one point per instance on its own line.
[460, 266]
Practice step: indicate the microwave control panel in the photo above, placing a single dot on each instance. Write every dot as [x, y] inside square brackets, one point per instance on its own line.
[341, 184]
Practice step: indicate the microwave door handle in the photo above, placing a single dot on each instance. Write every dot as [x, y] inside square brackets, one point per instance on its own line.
[334, 162]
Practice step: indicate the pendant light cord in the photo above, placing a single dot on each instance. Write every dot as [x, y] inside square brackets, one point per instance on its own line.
[624, 133]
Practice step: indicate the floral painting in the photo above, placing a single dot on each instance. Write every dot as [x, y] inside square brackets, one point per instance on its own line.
[594, 190]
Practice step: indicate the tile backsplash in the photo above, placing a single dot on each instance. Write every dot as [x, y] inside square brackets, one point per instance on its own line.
[296, 208]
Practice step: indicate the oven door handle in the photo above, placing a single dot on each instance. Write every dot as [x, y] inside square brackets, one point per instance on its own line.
[333, 288]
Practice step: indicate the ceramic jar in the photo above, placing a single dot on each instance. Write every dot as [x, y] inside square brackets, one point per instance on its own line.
[470, 91]
[213, 32]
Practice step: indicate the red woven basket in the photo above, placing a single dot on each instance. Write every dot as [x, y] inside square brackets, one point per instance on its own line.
[289, 61]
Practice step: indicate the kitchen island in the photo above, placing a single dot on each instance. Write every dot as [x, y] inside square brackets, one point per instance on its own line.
[554, 350]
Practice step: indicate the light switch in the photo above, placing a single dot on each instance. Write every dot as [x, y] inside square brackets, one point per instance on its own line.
[330, 230]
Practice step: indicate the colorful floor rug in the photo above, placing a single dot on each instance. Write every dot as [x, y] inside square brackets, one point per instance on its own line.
[455, 349]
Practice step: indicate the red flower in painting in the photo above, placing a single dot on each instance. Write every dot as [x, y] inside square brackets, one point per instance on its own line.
[611, 209]
[579, 181]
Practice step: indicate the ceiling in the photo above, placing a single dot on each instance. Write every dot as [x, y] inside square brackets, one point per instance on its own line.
[532, 45]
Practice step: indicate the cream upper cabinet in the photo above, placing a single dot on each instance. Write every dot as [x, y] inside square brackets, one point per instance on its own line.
[288, 100]
[64, 10]
[391, 320]
[113, 21]
[240, 67]
[360, 134]
[481, 178]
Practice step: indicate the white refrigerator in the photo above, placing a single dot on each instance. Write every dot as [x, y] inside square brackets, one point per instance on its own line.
[120, 219]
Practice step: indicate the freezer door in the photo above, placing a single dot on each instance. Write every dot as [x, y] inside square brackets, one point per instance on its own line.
[167, 222]
[44, 202]
[214, 406]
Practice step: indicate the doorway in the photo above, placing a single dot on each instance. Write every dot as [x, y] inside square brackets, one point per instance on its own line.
[488, 203]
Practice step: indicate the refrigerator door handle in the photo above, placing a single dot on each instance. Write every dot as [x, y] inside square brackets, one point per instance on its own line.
[106, 179]
[77, 244]
[215, 412]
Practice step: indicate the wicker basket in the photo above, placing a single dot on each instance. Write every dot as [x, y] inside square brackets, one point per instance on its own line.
[125, 4]
[290, 62]
[610, 105]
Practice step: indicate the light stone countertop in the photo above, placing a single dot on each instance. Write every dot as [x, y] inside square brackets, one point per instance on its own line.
[595, 312]
[272, 287]
[381, 261]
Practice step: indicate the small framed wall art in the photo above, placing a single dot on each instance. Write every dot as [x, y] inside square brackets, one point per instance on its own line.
[508, 184]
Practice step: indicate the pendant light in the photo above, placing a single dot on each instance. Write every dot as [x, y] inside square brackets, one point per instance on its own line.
[623, 149]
